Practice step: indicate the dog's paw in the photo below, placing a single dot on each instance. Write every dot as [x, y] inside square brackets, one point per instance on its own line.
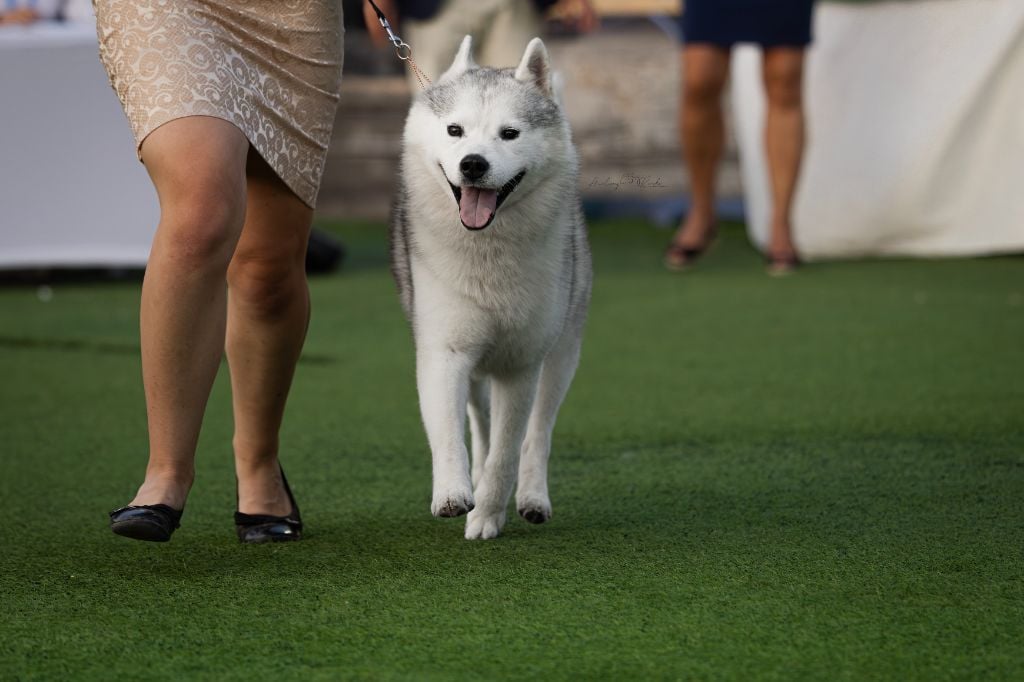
[534, 509]
[449, 503]
[483, 526]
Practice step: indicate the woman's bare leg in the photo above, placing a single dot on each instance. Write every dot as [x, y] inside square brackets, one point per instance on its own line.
[702, 129]
[268, 313]
[198, 167]
[784, 139]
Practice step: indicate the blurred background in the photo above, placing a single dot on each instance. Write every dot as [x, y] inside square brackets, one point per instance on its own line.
[915, 138]
[621, 94]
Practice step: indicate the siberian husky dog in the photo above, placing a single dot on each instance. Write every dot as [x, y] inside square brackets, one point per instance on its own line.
[490, 253]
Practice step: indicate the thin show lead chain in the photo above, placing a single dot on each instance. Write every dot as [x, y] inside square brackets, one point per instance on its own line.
[402, 49]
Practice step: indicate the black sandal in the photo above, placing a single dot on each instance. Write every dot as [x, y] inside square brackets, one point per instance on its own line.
[780, 266]
[678, 258]
[258, 528]
[152, 522]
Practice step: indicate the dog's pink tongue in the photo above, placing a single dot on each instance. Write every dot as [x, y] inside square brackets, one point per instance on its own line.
[477, 206]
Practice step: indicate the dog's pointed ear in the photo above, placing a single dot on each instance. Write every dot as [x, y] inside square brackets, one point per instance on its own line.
[463, 59]
[535, 67]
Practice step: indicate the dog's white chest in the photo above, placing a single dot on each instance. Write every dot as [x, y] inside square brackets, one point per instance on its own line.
[508, 314]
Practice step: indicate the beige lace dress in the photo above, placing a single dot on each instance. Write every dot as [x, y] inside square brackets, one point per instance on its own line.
[271, 67]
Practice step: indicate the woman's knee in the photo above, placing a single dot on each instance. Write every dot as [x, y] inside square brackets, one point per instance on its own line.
[705, 70]
[201, 186]
[201, 228]
[783, 79]
[267, 285]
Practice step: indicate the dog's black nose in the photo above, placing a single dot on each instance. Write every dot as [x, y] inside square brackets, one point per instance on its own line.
[473, 166]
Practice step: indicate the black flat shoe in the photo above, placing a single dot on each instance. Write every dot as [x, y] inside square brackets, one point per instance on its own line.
[257, 528]
[152, 522]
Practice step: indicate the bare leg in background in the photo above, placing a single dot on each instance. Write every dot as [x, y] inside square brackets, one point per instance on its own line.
[702, 130]
[784, 139]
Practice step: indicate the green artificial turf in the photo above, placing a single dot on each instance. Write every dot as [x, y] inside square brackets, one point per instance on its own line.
[818, 477]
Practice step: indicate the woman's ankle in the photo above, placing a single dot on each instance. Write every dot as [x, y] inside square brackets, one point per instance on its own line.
[260, 486]
[695, 229]
[165, 485]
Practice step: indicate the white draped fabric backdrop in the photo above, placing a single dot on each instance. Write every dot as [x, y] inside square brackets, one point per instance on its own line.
[72, 192]
[916, 131]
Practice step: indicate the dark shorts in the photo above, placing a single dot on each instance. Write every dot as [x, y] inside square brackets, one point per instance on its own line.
[769, 23]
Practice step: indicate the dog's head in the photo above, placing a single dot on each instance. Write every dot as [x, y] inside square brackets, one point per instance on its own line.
[489, 136]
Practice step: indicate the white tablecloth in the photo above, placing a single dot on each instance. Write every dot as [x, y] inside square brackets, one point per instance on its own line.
[916, 131]
[72, 192]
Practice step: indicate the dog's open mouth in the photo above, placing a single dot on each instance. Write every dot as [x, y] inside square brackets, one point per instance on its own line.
[479, 205]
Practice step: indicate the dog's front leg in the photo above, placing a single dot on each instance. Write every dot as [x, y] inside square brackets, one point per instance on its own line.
[442, 376]
[511, 401]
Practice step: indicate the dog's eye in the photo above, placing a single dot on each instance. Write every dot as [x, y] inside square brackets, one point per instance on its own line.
[509, 133]
[455, 131]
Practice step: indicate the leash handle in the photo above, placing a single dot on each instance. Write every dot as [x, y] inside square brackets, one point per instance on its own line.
[402, 49]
